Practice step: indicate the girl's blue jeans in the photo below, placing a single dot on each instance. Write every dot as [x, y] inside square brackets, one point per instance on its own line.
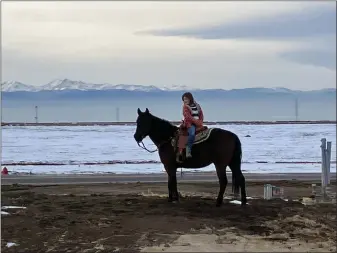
[191, 136]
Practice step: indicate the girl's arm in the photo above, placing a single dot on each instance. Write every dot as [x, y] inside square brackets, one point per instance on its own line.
[188, 119]
[201, 114]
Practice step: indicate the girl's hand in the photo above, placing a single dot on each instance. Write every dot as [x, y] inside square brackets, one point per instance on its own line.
[198, 123]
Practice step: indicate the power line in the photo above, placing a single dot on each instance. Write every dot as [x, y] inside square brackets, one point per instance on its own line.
[36, 114]
[117, 114]
[296, 108]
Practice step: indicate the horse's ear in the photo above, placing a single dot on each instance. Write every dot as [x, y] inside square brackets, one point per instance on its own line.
[147, 111]
[139, 111]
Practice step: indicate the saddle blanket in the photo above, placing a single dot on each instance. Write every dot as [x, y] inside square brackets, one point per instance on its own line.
[202, 136]
[181, 140]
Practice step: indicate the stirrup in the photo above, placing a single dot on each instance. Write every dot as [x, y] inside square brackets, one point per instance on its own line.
[179, 158]
[188, 154]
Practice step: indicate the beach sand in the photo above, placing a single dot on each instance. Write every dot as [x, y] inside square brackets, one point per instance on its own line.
[134, 217]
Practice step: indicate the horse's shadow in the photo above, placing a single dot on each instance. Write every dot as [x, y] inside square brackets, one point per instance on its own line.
[203, 210]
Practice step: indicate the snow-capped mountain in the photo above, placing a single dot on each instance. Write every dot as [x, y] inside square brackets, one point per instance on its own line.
[177, 88]
[66, 84]
[11, 86]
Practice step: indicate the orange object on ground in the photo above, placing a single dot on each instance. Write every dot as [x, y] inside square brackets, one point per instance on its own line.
[4, 171]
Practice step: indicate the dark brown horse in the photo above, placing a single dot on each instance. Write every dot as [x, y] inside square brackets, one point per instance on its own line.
[222, 148]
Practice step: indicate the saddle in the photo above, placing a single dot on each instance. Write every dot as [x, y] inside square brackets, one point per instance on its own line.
[180, 141]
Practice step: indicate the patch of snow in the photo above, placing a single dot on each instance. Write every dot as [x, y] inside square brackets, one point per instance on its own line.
[229, 197]
[4, 213]
[11, 244]
[236, 202]
[13, 207]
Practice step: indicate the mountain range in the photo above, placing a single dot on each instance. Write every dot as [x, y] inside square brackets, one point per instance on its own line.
[65, 89]
[73, 101]
[67, 84]
[71, 85]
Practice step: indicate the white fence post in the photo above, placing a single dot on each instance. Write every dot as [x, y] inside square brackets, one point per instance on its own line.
[328, 161]
[267, 191]
[323, 176]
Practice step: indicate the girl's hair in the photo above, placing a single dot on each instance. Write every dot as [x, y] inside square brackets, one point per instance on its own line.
[189, 96]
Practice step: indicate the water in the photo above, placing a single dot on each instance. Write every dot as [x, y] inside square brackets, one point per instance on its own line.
[75, 145]
[96, 110]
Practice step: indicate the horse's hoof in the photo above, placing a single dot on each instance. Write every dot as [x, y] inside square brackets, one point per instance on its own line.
[219, 202]
[171, 200]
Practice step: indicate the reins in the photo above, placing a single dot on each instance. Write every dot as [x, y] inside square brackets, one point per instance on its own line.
[143, 147]
[152, 151]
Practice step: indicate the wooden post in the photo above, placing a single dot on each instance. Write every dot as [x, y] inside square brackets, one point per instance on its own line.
[328, 161]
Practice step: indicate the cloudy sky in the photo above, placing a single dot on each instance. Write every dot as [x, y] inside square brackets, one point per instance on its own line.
[198, 44]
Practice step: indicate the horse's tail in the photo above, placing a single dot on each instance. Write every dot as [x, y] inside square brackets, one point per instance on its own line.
[235, 166]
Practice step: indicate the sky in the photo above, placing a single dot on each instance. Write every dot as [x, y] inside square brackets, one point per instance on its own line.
[195, 44]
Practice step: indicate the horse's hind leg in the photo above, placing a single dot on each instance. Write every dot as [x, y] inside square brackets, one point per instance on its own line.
[238, 179]
[221, 172]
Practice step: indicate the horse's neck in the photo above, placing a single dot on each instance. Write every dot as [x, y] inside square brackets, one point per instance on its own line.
[163, 131]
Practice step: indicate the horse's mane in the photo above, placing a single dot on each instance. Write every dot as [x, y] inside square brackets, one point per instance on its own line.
[163, 124]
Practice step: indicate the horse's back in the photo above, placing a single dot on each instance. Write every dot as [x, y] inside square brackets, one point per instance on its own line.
[214, 145]
[222, 132]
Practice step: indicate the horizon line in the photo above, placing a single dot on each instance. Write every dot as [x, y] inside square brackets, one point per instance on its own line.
[174, 122]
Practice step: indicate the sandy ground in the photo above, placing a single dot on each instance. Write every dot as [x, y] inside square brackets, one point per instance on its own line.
[48, 179]
[134, 217]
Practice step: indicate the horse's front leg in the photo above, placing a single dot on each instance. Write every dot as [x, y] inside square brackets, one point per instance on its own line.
[169, 184]
[172, 185]
[175, 194]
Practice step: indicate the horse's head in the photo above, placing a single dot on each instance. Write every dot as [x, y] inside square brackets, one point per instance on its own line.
[144, 123]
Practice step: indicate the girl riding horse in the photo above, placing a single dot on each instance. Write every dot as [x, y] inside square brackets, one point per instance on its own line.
[193, 119]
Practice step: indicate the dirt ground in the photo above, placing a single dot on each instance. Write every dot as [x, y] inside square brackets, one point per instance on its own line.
[136, 217]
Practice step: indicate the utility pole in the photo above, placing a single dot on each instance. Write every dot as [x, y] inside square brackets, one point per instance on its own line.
[36, 114]
[117, 114]
[296, 108]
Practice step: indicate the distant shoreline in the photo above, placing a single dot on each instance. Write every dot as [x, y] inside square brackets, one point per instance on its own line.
[289, 122]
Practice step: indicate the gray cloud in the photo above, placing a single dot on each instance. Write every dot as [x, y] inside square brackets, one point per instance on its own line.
[312, 57]
[309, 22]
[306, 25]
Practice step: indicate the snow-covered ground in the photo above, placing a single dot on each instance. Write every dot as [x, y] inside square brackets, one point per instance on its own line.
[78, 144]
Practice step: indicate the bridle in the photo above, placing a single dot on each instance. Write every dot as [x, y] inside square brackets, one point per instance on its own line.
[143, 147]
[158, 146]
